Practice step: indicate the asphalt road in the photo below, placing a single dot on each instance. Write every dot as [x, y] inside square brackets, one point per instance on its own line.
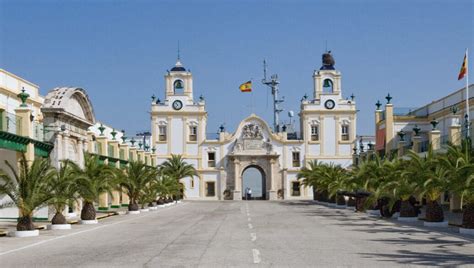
[243, 234]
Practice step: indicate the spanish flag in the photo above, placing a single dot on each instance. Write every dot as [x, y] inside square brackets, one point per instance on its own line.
[463, 70]
[246, 87]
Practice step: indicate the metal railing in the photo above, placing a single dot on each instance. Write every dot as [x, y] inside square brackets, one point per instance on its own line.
[212, 136]
[38, 131]
[10, 123]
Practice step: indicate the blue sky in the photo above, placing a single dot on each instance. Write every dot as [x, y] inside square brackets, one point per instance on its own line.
[119, 51]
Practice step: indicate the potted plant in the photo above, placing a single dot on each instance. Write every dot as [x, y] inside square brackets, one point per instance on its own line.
[63, 194]
[29, 188]
[91, 181]
[134, 179]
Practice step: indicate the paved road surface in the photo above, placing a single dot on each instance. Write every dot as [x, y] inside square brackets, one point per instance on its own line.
[244, 234]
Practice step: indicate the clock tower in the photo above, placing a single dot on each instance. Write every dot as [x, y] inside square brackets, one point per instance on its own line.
[178, 122]
[328, 121]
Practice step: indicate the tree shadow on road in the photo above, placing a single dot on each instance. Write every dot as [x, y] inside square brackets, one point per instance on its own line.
[407, 257]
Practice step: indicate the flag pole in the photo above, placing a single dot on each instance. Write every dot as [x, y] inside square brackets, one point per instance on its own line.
[467, 96]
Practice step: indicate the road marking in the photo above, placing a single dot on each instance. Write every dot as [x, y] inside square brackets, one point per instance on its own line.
[250, 226]
[249, 219]
[83, 231]
[256, 256]
[253, 236]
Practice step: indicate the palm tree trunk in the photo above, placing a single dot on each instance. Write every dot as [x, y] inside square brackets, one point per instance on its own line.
[58, 218]
[340, 200]
[133, 206]
[88, 211]
[25, 223]
[434, 212]
[351, 202]
[407, 209]
[468, 216]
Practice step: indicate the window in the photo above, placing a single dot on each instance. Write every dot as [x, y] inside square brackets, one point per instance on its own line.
[192, 133]
[162, 133]
[295, 188]
[296, 159]
[314, 133]
[211, 159]
[210, 188]
[178, 87]
[345, 132]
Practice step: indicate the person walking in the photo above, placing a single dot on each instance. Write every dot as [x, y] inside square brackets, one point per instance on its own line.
[250, 194]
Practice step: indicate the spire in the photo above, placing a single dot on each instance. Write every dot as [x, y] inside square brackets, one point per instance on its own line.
[178, 67]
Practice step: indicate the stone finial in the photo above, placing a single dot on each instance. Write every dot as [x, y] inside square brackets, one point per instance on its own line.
[101, 129]
[378, 104]
[434, 123]
[401, 134]
[23, 96]
[388, 98]
[417, 130]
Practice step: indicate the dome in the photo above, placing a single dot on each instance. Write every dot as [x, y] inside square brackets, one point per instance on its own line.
[178, 67]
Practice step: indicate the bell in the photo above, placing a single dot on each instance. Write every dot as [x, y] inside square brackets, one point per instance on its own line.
[327, 83]
[178, 84]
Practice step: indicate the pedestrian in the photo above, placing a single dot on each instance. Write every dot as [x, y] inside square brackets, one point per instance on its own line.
[250, 194]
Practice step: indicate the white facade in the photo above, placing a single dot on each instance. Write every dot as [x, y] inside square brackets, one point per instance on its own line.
[328, 127]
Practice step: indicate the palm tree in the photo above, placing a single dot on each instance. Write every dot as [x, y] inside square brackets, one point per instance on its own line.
[401, 185]
[28, 189]
[309, 175]
[432, 181]
[168, 186]
[149, 193]
[134, 179]
[92, 180]
[337, 178]
[176, 168]
[459, 163]
[64, 191]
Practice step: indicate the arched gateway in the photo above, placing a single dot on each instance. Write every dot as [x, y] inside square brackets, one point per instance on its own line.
[253, 178]
[253, 155]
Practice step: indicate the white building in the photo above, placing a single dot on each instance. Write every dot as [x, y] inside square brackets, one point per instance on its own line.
[227, 165]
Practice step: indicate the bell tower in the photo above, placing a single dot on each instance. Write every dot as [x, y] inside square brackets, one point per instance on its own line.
[179, 82]
[327, 81]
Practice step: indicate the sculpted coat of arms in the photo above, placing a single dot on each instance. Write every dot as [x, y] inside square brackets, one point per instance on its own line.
[252, 131]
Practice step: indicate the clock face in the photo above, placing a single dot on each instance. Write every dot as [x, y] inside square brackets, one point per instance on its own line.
[329, 104]
[177, 105]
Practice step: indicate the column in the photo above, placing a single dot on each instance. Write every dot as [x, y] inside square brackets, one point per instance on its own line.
[435, 139]
[25, 130]
[237, 181]
[401, 148]
[102, 150]
[125, 198]
[454, 134]
[416, 143]
[116, 192]
[273, 191]
[389, 127]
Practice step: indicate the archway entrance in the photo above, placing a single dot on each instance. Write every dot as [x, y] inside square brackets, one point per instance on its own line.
[253, 178]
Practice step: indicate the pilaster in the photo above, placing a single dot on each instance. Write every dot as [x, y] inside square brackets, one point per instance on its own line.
[389, 126]
[434, 137]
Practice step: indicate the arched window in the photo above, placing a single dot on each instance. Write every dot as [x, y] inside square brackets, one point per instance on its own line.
[178, 86]
[328, 85]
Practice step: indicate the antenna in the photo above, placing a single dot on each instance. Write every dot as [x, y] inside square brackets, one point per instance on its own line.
[178, 52]
[273, 84]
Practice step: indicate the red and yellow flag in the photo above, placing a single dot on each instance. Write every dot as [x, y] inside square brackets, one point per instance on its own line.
[246, 87]
[463, 70]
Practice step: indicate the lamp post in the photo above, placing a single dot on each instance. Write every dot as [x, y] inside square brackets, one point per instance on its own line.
[144, 134]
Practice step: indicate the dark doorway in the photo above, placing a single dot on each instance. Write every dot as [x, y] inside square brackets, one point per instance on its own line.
[253, 178]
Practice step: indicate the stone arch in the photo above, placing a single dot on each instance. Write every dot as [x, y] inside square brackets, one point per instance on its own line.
[259, 188]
